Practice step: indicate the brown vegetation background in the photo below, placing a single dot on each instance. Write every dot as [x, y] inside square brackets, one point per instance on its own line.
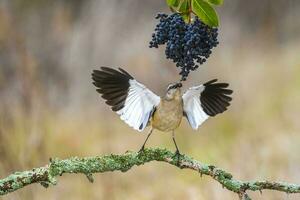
[49, 108]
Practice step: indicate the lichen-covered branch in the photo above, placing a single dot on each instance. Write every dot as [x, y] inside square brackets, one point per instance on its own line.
[47, 175]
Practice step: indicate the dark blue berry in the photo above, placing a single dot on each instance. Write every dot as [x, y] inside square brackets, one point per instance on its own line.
[186, 44]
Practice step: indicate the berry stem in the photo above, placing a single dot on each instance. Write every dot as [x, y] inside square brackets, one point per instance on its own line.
[190, 11]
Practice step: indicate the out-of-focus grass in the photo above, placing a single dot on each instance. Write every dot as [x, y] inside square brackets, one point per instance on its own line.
[49, 107]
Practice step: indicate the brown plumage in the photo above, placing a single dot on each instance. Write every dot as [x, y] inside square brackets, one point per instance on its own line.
[168, 113]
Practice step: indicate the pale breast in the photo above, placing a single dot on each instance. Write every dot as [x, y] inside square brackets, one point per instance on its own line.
[168, 115]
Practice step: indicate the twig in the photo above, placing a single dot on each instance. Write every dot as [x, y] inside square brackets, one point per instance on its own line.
[46, 175]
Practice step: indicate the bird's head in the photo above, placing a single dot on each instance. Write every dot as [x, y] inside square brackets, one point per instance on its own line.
[173, 91]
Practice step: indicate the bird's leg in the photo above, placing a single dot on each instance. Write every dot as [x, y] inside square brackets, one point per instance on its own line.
[177, 153]
[142, 148]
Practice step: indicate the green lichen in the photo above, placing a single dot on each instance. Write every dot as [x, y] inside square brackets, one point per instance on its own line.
[46, 176]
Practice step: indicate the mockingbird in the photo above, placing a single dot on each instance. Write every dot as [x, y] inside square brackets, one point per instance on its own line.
[139, 107]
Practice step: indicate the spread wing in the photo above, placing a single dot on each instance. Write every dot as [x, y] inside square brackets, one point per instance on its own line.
[130, 99]
[204, 101]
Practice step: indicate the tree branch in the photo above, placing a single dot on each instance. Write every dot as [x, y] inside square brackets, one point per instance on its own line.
[46, 175]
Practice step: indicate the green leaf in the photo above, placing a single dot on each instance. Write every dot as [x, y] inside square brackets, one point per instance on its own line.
[173, 3]
[186, 17]
[205, 12]
[184, 7]
[216, 2]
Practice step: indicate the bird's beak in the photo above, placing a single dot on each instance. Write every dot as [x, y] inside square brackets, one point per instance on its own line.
[178, 85]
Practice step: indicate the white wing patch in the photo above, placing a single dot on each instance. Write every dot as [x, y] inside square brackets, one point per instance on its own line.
[138, 106]
[209, 99]
[192, 106]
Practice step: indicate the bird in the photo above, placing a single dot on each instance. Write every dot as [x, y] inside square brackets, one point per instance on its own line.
[139, 107]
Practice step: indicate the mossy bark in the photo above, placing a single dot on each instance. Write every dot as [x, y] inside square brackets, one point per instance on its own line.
[46, 175]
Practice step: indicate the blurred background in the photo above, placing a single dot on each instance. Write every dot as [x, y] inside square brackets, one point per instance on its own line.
[49, 107]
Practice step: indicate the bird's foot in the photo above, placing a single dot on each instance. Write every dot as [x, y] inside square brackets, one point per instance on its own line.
[141, 149]
[177, 157]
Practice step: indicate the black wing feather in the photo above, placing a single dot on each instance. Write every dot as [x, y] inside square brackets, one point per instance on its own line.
[214, 98]
[113, 85]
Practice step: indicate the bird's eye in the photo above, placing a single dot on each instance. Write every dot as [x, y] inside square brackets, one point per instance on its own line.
[170, 87]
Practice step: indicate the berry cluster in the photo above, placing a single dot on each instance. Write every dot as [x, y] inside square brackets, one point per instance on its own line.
[186, 44]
